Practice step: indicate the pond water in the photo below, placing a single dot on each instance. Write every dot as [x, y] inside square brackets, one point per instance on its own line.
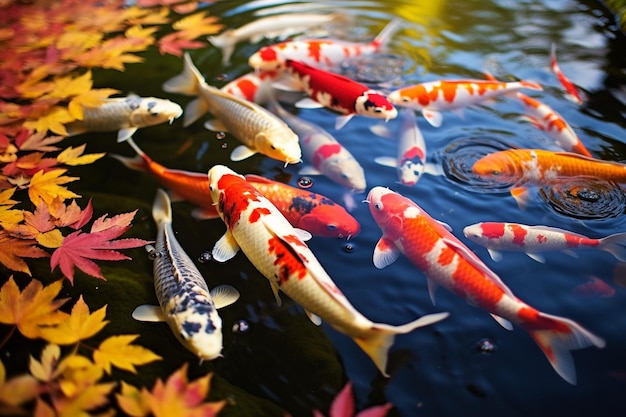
[467, 364]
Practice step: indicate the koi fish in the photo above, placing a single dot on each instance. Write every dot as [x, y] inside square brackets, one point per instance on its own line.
[306, 210]
[523, 167]
[532, 240]
[253, 86]
[274, 247]
[185, 302]
[433, 97]
[258, 129]
[570, 88]
[320, 53]
[549, 121]
[267, 27]
[313, 212]
[445, 261]
[323, 152]
[340, 94]
[410, 162]
[594, 287]
[125, 115]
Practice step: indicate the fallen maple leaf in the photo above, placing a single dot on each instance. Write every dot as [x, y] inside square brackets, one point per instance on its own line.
[175, 397]
[37, 141]
[45, 370]
[119, 352]
[70, 215]
[54, 120]
[80, 249]
[31, 308]
[80, 325]
[197, 24]
[344, 406]
[74, 156]
[12, 250]
[174, 44]
[48, 186]
[16, 391]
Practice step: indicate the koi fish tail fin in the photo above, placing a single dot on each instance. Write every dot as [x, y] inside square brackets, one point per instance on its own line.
[187, 82]
[162, 207]
[138, 163]
[559, 336]
[615, 245]
[225, 41]
[386, 33]
[531, 85]
[378, 341]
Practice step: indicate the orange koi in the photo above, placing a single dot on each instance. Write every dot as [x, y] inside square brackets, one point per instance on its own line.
[447, 262]
[570, 88]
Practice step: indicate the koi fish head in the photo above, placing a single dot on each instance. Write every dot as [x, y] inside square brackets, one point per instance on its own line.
[267, 59]
[281, 146]
[384, 206]
[409, 97]
[220, 178]
[376, 105]
[501, 166]
[330, 220]
[345, 171]
[410, 171]
[475, 233]
[149, 111]
[200, 330]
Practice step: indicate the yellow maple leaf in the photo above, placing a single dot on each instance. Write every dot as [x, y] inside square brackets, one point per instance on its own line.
[9, 217]
[75, 42]
[17, 390]
[74, 156]
[45, 370]
[48, 186]
[197, 24]
[54, 120]
[31, 308]
[153, 18]
[119, 352]
[51, 240]
[70, 85]
[132, 401]
[80, 325]
[91, 98]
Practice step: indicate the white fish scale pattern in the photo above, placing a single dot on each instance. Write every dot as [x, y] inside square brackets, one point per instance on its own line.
[115, 114]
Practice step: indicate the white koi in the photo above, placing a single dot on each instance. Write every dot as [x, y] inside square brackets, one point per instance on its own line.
[186, 304]
[257, 128]
[125, 115]
[275, 248]
[532, 240]
[279, 26]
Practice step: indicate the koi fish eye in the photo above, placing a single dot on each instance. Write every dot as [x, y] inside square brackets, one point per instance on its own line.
[378, 206]
[405, 99]
[272, 147]
[154, 114]
[332, 227]
[496, 172]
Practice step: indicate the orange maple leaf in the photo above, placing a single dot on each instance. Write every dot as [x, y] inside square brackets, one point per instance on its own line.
[176, 397]
[12, 250]
[31, 308]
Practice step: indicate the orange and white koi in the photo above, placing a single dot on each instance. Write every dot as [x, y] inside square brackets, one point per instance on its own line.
[533, 240]
[447, 262]
[323, 153]
[274, 247]
[315, 213]
[339, 93]
[125, 115]
[549, 121]
[572, 92]
[268, 27]
[185, 302]
[258, 129]
[321, 53]
[410, 162]
[541, 167]
[433, 97]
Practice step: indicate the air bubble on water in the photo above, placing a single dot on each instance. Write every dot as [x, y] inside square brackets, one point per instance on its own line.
[205, 257]
[222, 77]
[305, 182]
[220, 135]
[348, 248]
[241, 326]
[485, 346]
[224, 145]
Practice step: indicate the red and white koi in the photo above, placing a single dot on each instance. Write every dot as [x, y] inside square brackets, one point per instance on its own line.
[572, 92]
[253, 86]
[315, 213]
[410, 162]
[125, 115]
[433, 97]
[339, 93]
[258, 129]
[549, 121]
[274, 247]
[447, 262]
[533, 240]
[321, 53]
[324, 154]
[276, 26]
[186, 303]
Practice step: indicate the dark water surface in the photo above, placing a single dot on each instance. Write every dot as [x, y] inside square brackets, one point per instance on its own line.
[466, 365]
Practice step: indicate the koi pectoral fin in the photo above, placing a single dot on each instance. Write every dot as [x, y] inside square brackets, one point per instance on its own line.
[385, 253]
[148, 313]
[225, 248]
[224, 295]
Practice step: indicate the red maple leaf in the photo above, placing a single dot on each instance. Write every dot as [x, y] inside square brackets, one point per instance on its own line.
[80, 249]
[344, 406]
[175, 43]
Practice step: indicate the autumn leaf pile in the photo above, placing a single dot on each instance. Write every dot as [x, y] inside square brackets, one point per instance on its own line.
[48, 50]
